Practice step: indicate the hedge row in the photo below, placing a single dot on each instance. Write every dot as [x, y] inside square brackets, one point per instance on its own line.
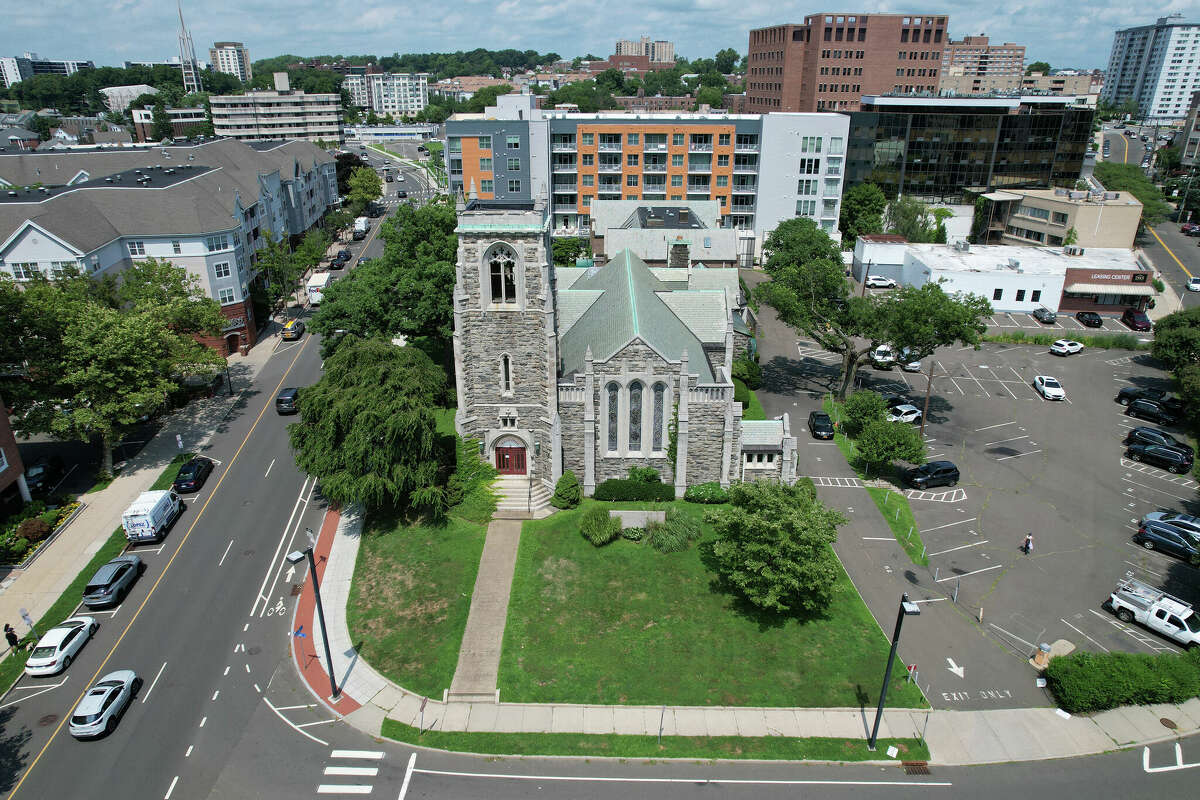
[1086, 681]
[619, 489]
[1116, 341]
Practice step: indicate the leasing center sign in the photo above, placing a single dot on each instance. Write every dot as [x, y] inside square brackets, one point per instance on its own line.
[1123, 277]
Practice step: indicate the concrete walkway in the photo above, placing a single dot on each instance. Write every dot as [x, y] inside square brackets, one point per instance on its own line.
[479, 656]
[954, 737]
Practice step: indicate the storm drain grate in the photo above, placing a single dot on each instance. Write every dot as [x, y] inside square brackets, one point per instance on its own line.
[915, 767]
[1168, 723]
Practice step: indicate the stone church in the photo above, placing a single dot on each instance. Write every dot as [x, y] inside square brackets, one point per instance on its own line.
[589, 368]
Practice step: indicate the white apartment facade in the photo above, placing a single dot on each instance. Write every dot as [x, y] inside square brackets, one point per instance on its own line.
[232, 58]
[659, 51]
[395, 93]
[278, 114]
[1157, 66]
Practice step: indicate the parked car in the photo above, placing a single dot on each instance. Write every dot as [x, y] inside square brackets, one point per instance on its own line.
[904, 414]
[1143, 435]
[1185, 522]
[193, 474]
[1045, 315]
[931, 474]
[883, 357]
[104, 704]
[1188, 227]
[292, 330]
[343, 256]
[58, 646]
[896, 402]
[820, 425]
[1130, 393]
[1065, 347]
[288, 401]
[908, 362]
[111, 582]
[1049, 387]
[1193, 283]
[1137, 320]
[880, 282]
[1158, 536]
[44, 474]
[1089, 319]
[1168, 458]
[1151, 411]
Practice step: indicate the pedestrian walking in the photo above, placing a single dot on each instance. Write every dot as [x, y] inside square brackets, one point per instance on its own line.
[11, 637]
[1027, 545]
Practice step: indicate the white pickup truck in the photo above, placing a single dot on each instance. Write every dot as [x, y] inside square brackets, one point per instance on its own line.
[1134, 601]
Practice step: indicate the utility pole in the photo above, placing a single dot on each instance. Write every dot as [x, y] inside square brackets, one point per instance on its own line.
[928, 392]
[866, 274]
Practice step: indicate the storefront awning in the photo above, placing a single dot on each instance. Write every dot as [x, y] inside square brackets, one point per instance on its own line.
[1111, 288]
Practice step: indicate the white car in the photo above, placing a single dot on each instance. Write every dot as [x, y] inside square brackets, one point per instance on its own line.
[1049, 388]
[1065, 347]
[1193, 284]
[907, 362]
[54, 652]
[883, 357]
[880, 282]
[905, 413]
[104, 704]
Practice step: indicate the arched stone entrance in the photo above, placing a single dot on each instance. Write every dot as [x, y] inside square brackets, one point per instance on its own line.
[510, 456]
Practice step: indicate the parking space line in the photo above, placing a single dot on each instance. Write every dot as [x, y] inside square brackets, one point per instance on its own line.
[947, 525]
[1018, 455]
[1002, 441]
[967, 574]
[1081, 633]
[977, 383]
[951, 377]
[1139, 566]
[960, 547]
[1000, 425]
[1001, 382]
[1135, 635]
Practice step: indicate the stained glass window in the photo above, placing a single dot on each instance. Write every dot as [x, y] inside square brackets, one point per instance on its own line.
[660, 391]
[635, 416]
[612, 416]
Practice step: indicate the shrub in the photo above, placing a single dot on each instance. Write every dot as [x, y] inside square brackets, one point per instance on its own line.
[710, 492]
[860, 408]
[598, 527]
[748, 372]
[13, 550]
[673, 535]
[741, 393]
[1159, 286]
[644, 474]
[618, 489]
[567, 493]
[1086, 681]
[633, 534]
[34, 530]
[456, 490]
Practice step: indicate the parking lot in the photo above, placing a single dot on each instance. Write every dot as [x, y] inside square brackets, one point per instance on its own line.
[1065, 325]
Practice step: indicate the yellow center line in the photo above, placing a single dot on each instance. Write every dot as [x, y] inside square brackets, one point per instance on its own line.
[1125, 139]
[1171, 254]
[170, 561]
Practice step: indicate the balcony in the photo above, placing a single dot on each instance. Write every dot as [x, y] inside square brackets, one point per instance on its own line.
[703, 168]
[744, 188]
[700, 147]
[609, 167]
[563, 147]
[563, 168]
[702, 188]
[654, 168]
[655, 147]
[743, 147]
[565, 188]
[567, 208]
[577, 230]
[610, 147]
[746, 168]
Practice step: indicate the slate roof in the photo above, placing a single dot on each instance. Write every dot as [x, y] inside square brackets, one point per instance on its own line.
[762, 434]
[704, 312]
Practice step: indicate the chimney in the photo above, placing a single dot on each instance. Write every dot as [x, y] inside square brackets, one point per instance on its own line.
[281, 82]
[683, 215]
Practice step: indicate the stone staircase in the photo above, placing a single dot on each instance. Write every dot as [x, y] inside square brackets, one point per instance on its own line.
[519, 501]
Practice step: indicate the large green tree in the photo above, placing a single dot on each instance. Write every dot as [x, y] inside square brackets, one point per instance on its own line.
[280, 271]
[1038, 66]
[912, 219]
[367, 430]
[170, 295]
[1130, 178]
[1177, 339]
[882, 442]
[364, 186]
[774, 547]
[726, 60]
[862, 212]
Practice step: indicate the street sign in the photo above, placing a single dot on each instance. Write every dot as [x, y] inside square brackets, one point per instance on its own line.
[179, 441]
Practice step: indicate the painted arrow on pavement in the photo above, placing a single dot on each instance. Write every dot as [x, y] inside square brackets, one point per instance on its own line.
[955, 668]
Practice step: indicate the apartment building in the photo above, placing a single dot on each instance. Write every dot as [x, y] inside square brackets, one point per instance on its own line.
[203, 206]
[976, 55]
[396, 93]
[829, 61]
[14, 69]
[1190, 136]
[657, 51]
[232, 58]
[1036, 217]
[183, 122]
[656, 103]
[463, 87]
[278, 114]
[1156, 66]
[758, 169]
[14, 491]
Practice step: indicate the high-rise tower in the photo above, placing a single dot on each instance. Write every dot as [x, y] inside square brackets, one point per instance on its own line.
[187, 58]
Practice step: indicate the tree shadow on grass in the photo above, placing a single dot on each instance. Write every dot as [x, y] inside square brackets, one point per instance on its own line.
[765, 619]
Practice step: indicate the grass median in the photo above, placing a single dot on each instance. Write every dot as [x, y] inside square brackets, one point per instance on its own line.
[12, 666]
[612, 745]
[1116, 341]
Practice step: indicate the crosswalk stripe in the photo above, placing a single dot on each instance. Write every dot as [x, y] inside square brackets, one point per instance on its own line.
[371, 754]
[337, 788]
[368, 772]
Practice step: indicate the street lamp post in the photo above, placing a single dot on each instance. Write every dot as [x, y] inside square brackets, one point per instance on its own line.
[907, 609]
[295, 557]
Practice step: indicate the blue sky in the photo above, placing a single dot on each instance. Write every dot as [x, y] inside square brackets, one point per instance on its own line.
[1063, 32]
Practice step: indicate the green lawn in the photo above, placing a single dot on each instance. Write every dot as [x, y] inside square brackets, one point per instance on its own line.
[624, 624]
[755, 409]
[622, 746]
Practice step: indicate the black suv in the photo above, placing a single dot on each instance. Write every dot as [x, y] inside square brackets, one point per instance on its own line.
[1157, 536]
[1168, 458]
[820, 425]
[1152, 411]
[1143, 435]
[1131, 393]
[288, 401]
[1089, 319]
[935, 473]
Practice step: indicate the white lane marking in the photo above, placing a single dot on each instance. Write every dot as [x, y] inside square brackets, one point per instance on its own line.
[279, 572]
[318, 722]
[41, 690]
[226, 671]
[334, 788]
[373, 755]
[725, 781]
[154, 682]
[174, 781]
[1139, 566]
[202, 721]
[279, 547]
[1002, 441]
[960, 547]
[268, 472]
[1081, 633]
[1001, 425]
[966, 574]
[188, 754]
[1018, 455]
[292, 708]
[949, 524]
[215, 694]
[257, 689]
[368, 772]
[1170, 767]
[1003, 384]
[1152, 644]
[247, 666]
[222, 561]
[298, 730]
[412, 759]
[879, 538]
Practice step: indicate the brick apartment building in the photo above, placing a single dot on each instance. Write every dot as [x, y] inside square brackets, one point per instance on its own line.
[831, 60]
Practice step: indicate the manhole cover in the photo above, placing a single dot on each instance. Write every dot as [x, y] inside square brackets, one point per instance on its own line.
[49, 719]
[296, 589]
[915, 767]
[1168, 723]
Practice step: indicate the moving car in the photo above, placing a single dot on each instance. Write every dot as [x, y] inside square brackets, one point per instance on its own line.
[1065, 347]
[193, 474]
[880, 282]
[44, 474]
[932, 473]
[389, 178]
[904, 414]
[292, 330]
[1143, 435]
[1150, 410]
[104, 704]
[1089, 319]
[1168, 458]
[288, 401]
[111, 582]
[820, 425]
[1185, 522]
[57, 648]
[1137, 320]
[1193, 283]
[1044, 315]
[402, 194]
[1157, 536]
[1049, 388]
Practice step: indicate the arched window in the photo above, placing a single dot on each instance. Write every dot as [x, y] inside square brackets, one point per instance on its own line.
[506, 382]
[613, 392]
[635, 415]
[502, 266]
[660, 398]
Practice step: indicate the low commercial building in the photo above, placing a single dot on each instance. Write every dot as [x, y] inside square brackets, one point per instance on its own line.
[656, 103]
[281, 113]
[1019, 279]
[1035, 217]
[420, 132]
[183, 122]
[665, 234]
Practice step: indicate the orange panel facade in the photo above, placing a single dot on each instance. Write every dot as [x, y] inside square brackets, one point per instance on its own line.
[471, 155]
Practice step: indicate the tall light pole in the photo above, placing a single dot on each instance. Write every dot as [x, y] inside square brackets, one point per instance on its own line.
[296, 556]
[907, 609]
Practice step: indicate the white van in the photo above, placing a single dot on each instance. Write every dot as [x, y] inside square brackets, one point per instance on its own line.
[149, 516]
[316, 287]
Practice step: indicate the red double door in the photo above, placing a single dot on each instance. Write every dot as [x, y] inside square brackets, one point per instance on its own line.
[510, 460]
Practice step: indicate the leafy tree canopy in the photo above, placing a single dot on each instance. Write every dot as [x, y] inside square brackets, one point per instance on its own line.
[1177, 339]
[363, 187]
[862, 211]
[1130, 178]
[1038, 66]
[882, 442]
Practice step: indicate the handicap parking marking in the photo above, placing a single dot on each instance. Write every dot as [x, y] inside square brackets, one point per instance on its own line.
[1181, 498]
[1116, 362]
[1169, 477]
[1135, 634]
[952, 496]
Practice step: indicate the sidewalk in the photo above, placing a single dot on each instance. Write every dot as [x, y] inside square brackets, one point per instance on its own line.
[954, 737]
[38, 586]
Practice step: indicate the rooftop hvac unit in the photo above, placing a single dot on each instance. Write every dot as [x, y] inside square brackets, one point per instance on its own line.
[1073, 250]
[1112, 195]
[962, 246]
[1014, 263]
